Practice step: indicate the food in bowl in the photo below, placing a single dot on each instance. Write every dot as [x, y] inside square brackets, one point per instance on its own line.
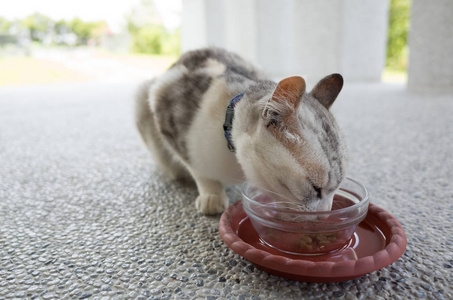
[308, 233]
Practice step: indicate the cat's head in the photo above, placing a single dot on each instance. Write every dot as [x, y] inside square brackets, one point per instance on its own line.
[289, 144]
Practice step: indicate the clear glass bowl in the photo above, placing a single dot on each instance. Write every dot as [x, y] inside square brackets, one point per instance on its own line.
[307, 233]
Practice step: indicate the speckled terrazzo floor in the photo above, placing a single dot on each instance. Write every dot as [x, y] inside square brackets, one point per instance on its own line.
[84, 213]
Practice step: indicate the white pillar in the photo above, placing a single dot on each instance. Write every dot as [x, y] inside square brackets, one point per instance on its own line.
[275, 44]
[194, 25]
[431, 46]
[241, 32]
[216, 23]
[312, 38]
[316, 37]
[364, 39]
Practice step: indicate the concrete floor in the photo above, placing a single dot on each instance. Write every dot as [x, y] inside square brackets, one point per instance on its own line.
[85, 214]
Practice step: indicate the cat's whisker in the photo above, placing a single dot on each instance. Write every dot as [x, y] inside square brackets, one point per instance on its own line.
[266, 190]
[236, 180]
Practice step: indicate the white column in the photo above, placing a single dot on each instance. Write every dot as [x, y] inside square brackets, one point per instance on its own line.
[364, 39]
[240, 28]
[229, 24]
[194, 25]
[316, 37]
[312, 38]
[431, 46]
[275, 44]
[216, 29]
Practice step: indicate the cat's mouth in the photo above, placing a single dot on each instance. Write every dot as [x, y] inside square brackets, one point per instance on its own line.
[287, 200]
[324, 204]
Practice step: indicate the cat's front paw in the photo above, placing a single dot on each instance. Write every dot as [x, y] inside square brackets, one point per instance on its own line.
[211, 204]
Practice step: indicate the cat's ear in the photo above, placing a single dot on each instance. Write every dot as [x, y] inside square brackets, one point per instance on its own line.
[327, 89]
[286, 97]
[289, 91]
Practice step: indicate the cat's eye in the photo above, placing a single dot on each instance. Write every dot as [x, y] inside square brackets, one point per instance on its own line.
[318, 191]
[272, 122]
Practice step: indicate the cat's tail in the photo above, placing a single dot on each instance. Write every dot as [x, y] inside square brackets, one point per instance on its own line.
[142, 100]
[144, 119]
[147, 127]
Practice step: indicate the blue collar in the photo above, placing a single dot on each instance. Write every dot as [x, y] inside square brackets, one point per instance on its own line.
[229, 116]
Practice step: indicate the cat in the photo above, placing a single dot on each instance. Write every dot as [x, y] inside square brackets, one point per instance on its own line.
[281, 138]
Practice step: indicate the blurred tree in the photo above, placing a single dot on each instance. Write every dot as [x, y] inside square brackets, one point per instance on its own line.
[4, 25]
[38, 25]
[148, 39]
[397, 34]
[43, 29]
[143, 14]
[87, 30]
[81, 29]
[148, 33]
[62, 27]
[98, 29]
[171, 43]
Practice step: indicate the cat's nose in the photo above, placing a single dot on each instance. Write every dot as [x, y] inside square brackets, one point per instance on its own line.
[325, 204]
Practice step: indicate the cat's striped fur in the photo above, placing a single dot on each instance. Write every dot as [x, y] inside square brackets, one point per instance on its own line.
[286, 140]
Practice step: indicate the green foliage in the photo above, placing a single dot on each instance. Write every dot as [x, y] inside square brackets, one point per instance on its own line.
[4, 25]
[144, 24]
[86, 30]
[38, 25]
[62, 27]
[147, 39]
[397, 34]
[171, 43]
[154, 39]
[148, 34]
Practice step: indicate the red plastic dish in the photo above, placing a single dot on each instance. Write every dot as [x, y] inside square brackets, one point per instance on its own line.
[378, 242]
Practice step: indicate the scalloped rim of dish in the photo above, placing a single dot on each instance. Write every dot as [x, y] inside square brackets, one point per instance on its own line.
[322, 270]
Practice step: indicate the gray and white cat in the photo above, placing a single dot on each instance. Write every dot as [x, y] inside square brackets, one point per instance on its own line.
[286, 141]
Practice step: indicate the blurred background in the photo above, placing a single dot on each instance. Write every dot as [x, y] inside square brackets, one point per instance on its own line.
[84, 213]
[50, 41]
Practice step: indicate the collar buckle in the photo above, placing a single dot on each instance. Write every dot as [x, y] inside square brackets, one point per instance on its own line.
[228, 124]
